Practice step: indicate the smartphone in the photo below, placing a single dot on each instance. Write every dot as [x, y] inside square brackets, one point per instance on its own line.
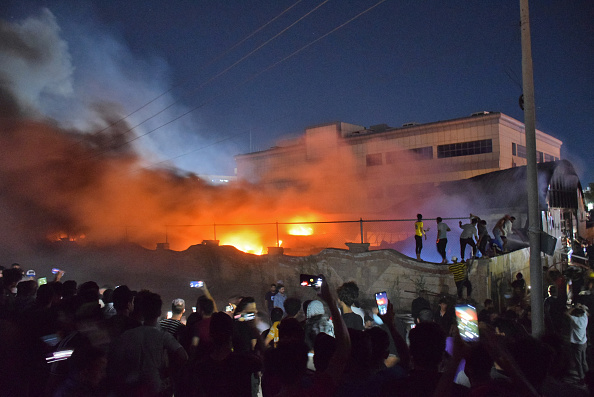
[467, 320]
[169, 314]
[307, 280]
[41, 281]
[55, 270]
[246, 316]
[381, 298]
[230, 307]
[196, 284]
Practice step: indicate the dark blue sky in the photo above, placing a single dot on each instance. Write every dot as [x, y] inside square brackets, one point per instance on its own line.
[400, 62]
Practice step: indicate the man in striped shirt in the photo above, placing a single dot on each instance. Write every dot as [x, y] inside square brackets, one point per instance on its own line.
[460, 272]
[174, 325]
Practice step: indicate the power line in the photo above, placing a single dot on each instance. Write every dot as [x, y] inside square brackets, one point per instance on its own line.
[253, 76]
[204, 84]
[204, 66]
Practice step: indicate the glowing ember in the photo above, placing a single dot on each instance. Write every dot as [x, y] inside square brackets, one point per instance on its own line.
[248, 242]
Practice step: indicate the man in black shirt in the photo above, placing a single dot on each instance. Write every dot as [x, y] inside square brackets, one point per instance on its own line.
[347, 295]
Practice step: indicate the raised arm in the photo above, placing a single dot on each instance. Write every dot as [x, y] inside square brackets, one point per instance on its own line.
[343, 342]
[209, 296]
[401, 346]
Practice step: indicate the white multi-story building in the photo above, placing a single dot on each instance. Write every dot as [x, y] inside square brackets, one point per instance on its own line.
[429, 153]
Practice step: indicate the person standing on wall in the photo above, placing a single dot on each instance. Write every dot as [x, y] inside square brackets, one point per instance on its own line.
[419, 233]
[442, 238]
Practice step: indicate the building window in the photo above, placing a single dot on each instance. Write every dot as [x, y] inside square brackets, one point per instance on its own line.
[548, 157]
[539, 157]
[465, 148]
[374, 159]
[556, 158]
[514, 153]
[522, 151]
[391, 157]
[425, 153]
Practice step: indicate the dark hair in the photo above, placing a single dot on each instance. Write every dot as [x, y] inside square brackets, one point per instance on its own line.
[292, 306]
[427, 344]
[425, 316]
[26, 288]
[150, 306]
[290, 329]
[205, 305]
[474, 220]
[324, 346]
[84, 357]
[121, 297]
[89, 292]
[45, 294]
[107, 296]
[246, 300]
[221, 328]
[439, 219]
[11, 276]
[419, 216]
[380, 343]
[483, 222]
[69, 289]
[348, 293]
[276, 314]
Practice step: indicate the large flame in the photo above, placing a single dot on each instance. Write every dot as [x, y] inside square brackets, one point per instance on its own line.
[245, 241]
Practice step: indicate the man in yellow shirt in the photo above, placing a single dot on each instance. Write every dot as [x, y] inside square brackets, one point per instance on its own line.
[419, 233]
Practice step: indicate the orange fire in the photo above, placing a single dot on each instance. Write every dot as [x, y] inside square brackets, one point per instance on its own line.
[245, 241]
[303, 229]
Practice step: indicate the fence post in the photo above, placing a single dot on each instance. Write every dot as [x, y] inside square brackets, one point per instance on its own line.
[361, 223]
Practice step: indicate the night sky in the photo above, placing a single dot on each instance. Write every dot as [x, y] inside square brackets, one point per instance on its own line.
[222, 89]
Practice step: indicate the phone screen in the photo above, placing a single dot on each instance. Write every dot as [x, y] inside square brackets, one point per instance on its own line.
[55, 270]
[196, 284]
[382, 302]
[467, 320]
[307, 280]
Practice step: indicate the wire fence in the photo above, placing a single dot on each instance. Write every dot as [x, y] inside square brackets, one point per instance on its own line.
[300, 238]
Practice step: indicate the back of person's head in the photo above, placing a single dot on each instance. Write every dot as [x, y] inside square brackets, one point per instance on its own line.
[88, 362]
[348, 293]
[45, 295]
[26, 288]
[221, 328]
[288, 362]
[150, 306]
[419, 217]
[204, 305]
[292, 306]
[425, 316]
[70, 288]
[519, 276]
[276, 314]
[243, 304]
[380, 344]
[290, 329]
[107, 296]
[474, 221]
[178, 306]
[11, 276]
[478, 364]
[488, 302]
[483, 222]
[121, 297]
[89, 292]
[305, 305]
[438, 219]
[360, 358]
[427, 344]
[324, 347]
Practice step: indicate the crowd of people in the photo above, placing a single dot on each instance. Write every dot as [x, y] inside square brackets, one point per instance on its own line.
[474, 234]
[64, 339]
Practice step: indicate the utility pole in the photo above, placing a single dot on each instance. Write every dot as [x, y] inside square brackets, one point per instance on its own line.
[534, 227]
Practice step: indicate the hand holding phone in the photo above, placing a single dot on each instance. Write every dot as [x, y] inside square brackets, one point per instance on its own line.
[467, 320]
[381, 298]
[307, 280]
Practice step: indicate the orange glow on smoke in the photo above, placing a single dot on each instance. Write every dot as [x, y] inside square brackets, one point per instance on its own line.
[303, 229]
[300, 230]
[246, 241]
